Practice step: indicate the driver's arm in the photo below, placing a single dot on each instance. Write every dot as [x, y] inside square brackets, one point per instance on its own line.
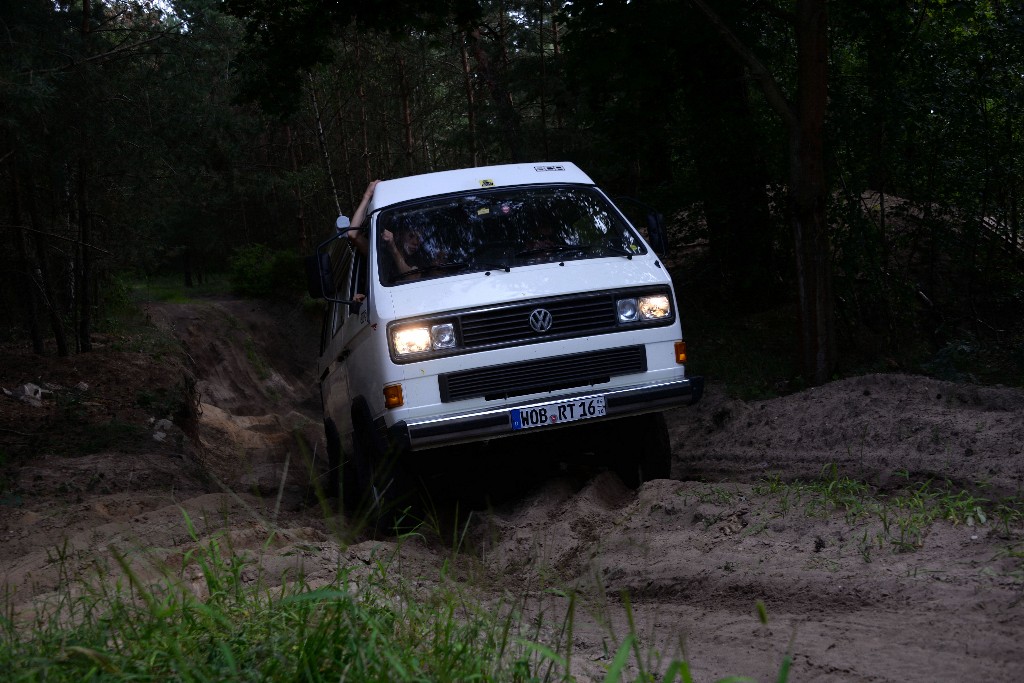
[360, 242]
[401, 265]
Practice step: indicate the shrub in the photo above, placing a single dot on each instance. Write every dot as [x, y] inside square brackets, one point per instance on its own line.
[257, 270]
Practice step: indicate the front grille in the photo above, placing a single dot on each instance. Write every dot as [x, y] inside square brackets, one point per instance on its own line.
[569, 317]
[504, 325]
[549, 374]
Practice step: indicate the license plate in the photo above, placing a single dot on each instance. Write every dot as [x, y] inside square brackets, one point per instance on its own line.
[557, 413]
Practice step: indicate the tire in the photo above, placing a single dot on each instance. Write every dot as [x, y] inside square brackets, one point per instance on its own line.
[342, 483]
[385, 491]
[639, 448]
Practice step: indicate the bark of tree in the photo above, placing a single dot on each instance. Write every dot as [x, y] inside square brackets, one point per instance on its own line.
[543, 78]
[808, 191]
[407, 135]
[364, 124]
[186, 266]
[556, 53]
[84, 294]
[322, 140]
[42, 274]
[23, 276]
[385, 142]
[343, 136]
[467, 76]
[300, 205]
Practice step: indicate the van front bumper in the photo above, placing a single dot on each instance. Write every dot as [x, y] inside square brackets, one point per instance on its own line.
[489, 424]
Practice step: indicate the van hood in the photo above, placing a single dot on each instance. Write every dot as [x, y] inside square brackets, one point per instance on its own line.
[472, 290]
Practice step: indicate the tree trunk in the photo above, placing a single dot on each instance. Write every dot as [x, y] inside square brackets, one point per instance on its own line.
[364, 123]
[300, 212]
[385, 142]
[322, 140]
[42, 274]
[410, 157]
[84, 294]
[543, 80]
[346, 160]
[556, 53]
[23, 275]
[808, 192]
[467, 76]
[186, 266]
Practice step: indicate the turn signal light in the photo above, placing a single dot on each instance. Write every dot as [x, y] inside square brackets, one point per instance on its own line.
[393, 396]
[681, 352]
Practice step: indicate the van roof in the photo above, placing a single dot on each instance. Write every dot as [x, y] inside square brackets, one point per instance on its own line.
[399, 190]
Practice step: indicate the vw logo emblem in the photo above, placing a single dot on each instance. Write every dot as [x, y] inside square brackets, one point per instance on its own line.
[540, 320]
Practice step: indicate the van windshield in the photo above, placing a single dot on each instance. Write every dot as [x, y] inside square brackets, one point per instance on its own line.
[499, 229]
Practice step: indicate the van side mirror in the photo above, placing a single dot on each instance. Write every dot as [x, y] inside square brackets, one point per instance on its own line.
[656, 234]
[656, 231]
[318, 275]
[320, 272]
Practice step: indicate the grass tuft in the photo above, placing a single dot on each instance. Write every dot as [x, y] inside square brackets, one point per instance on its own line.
[903, 517]
[211, 619]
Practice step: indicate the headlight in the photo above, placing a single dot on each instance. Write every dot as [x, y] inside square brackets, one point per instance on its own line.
[421, 338]
[443, 336]
[411, 340]
[654, 307]
[627, 310]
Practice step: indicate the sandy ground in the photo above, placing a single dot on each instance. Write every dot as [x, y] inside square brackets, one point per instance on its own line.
[854, 590]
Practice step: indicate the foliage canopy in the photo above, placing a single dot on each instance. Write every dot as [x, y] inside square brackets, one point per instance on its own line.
[142, 136]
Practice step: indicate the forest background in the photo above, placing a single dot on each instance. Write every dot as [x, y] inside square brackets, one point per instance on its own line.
[841, 181]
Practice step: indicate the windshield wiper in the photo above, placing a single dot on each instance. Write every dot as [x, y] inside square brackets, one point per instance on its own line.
[553, 249]
[616, 249]
[451, 265]
[494, 266]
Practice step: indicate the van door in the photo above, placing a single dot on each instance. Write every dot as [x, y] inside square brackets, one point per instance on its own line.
[342, 331]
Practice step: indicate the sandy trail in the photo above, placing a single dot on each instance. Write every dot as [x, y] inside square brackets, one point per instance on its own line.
[849, 596]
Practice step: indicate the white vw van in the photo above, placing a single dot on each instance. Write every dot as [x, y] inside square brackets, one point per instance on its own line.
[495, 302]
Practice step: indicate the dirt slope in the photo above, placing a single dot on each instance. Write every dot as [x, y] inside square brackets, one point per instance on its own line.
[854, 594]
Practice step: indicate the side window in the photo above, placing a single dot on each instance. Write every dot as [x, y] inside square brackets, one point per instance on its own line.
[343, 260]
[325, 327]
[360, 279]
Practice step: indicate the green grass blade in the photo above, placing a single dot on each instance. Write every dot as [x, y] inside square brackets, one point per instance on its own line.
[619, 662]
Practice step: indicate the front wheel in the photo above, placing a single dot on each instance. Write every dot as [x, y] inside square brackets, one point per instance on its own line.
[385, 487]
[342, 482]
[638, 448]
